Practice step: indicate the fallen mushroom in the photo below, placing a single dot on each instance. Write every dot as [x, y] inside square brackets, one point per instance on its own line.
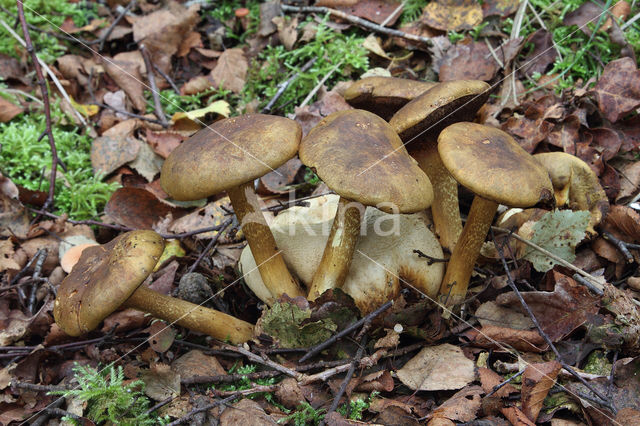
[228, 156]
[418, 123]
[359, 156]
[383, 254]
[498, 171]
[110, 276]
[575, 185]
[384, 95]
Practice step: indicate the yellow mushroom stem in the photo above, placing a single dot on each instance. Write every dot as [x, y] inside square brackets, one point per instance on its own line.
[456, 279]
[337, 255]
[270, 262]
[194, 317]
[445, 208]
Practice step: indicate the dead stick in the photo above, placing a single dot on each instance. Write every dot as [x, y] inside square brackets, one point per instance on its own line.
[526, 307]
[347, 379]
[316, 349]
[47, 108]
[213, 242]
[282, 87]
[115, 22]
[166, 77]
[358, 21]
[154, 88]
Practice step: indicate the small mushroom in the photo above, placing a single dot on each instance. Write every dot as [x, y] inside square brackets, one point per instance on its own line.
[384, 95]
[110, 276]
[575, 185]
[228, 156]
[418, 123]
[383, 255]
[498, 171]
[359, 156]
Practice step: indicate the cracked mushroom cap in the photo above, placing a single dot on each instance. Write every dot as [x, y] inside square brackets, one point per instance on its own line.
[104, 278]
[383, 256]
[447, 102]
[576, 185]
[229, 153]
[492, 165]
[384, 95]
[358, 155]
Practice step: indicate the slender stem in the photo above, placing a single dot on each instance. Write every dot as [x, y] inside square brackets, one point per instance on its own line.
[274, 272]
[194, 317]
[338, 252]
[445, 208]
[456, 279]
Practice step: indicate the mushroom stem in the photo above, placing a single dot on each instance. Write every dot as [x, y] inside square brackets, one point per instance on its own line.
[194, 317]
[270, 263]
[445, 209]
[337, 255]
[456, 279]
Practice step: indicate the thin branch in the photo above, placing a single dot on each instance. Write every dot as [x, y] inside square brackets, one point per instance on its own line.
[154, 88]
[347, 378]
[212, 243]
[47, 107]
[115, 22]
[282, 87]
[316, 349]
[166, 77]
[357, 21]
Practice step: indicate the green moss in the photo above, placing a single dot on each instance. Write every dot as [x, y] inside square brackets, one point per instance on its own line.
[26, 160]
[47, 15]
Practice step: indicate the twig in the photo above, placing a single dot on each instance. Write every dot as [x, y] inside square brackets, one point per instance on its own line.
[47, 108]
[357, 21]
[159, 405]
[526, 307]
[621, 245]
[126, 228]
[317, 87]
[366, 362]
[587, 284]
[213, 242]
[430, 259]
[282, 87]
[41, 255]
[42, 418]
[316, 349]
[167, 78]
[558, 259]
[37, 388]
[347, 379]
[264, 361]
[496, 388]
[44, 66]
[115, 22]
[154, 88]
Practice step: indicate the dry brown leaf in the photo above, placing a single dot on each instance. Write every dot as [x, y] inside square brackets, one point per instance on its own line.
[6, 256]
[565, 135]
[164, 30]
[489, 379]
[499, 7]
[537, 380]
[618, 90]
[109, 153]
[163, 142]
[287, 31]
[196, 363]
[197, 84]
[192, 40]
[625, 219]
[138, 208]
[441, 367]
[289, 393]
[126, 70]
[461, 407]
[543, 54]
[8, 110]
[630, 180]
[500, 337]
[516, 417]
[452, 15]
[161, 336]
[231, 70]
[160, 382]
[490, 313]
[245, 412]
[468, 60]
[327, 103]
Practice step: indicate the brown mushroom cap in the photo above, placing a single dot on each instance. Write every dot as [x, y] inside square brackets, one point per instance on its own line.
[229, 153]
[384, 95]
[358, 155]
[492, 165]
[438, 107]
[104, 278]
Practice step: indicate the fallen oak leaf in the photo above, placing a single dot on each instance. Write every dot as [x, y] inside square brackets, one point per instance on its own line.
[231, 70]
[618, 90]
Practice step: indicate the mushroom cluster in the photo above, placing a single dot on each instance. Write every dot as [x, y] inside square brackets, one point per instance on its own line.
[404, 149]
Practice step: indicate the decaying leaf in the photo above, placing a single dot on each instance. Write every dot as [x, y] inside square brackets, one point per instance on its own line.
[8, 110]
[292, 326]
[618, 90]
[231, 70]
[468, 60]
[441, 367]
[196, 363]
[559, 232]
[195, 117]
[160, 382]
[137, 208]
[537, 380]
[461, 407]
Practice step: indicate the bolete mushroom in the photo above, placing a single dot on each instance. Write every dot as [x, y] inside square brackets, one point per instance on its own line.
[418, 123]
[575, 185]
[110, 276]
[359, 156]
[384, 252]
[498, 171]
[384, 95]
[228, 156]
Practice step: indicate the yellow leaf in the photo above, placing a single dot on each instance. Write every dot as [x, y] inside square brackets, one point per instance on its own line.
[86, 110]
[188, 119]
[172, 248]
